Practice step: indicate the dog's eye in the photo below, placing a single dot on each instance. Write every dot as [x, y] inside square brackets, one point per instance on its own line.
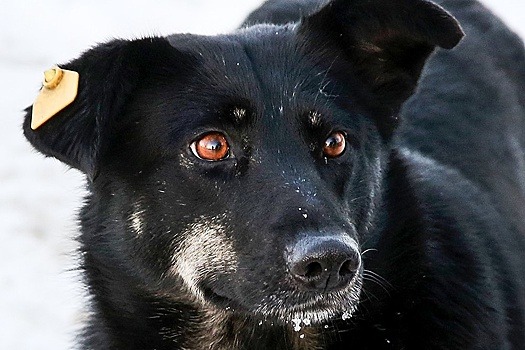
[335, 144]
[211, 147]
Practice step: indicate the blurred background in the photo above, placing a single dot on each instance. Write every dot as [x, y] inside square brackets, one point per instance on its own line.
[41, 297]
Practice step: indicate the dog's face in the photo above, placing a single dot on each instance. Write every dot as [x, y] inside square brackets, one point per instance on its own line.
[244, 171]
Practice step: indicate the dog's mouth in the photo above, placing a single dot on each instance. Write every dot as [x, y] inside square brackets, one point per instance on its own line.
[291, 306]
[217, 299]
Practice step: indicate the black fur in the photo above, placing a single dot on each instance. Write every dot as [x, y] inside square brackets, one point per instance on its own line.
[432, 188]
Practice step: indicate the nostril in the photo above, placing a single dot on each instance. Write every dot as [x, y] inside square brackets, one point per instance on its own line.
[349, 268]
[313, 270]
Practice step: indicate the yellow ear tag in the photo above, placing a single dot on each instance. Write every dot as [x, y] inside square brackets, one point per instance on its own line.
[59, 90]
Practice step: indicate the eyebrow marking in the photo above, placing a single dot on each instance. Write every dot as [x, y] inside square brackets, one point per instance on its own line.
[314, 118]
[239, 113]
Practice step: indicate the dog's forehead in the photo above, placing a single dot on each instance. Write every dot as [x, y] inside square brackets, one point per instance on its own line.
[263, 45]
[261, 63]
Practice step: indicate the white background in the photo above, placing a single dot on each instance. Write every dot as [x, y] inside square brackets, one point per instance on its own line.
[40, 296]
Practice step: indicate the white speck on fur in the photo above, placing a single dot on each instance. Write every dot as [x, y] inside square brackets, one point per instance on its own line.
[136, 219]
[296, 324]
[346, 316]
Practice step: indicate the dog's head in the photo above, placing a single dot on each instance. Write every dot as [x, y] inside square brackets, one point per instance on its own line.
[246, 169]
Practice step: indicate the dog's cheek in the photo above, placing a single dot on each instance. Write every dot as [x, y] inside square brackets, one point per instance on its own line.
[204, 253]
[148, 239]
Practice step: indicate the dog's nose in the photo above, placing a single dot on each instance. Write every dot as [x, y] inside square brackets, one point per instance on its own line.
[326, 263]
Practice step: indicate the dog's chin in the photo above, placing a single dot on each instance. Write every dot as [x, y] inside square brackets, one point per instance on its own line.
[317, 310]
[296, 307]
[307, 314]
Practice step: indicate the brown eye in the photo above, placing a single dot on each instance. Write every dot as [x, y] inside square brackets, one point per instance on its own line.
[212, 147]
[334, 145]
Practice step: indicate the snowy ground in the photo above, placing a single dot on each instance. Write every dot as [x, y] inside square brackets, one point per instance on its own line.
[40, 298]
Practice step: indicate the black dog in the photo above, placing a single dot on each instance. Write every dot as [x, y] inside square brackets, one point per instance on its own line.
[274, 189]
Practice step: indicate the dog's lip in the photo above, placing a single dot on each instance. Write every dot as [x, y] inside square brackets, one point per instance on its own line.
[217, 298]
[230, 304]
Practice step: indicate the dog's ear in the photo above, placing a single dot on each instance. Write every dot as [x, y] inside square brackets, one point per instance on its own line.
[108, 76]
[385, 42]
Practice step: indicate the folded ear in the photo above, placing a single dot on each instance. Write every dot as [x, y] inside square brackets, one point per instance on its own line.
[109, 74]
[382, 43]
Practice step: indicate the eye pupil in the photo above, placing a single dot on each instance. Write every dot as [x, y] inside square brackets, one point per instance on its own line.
[212, 146]
[335, 145]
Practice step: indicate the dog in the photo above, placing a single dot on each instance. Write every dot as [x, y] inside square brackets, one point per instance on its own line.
[344, 174]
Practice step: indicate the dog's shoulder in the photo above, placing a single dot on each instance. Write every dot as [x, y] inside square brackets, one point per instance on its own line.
[469, 108]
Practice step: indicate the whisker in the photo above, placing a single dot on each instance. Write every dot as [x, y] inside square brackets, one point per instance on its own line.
[357, 198]
[379, 284]
[377, 279]
[368, 250]
[378, 276]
